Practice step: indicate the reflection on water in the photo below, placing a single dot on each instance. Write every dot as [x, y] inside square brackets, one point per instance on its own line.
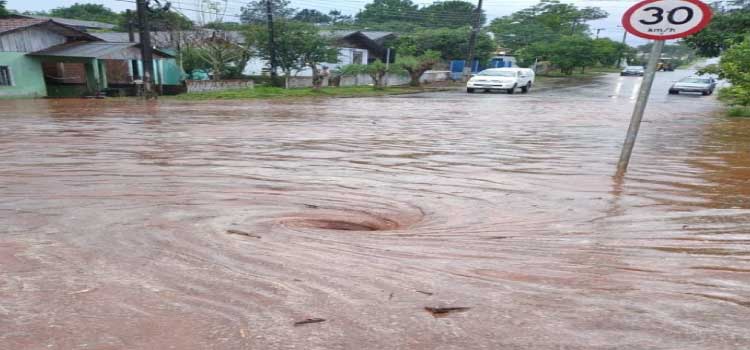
[365, 212]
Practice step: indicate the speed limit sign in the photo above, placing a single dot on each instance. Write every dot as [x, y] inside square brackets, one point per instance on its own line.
[660, 20]
[666, 19]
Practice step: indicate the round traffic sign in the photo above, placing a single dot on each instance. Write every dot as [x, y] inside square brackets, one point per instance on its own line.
[666, 19]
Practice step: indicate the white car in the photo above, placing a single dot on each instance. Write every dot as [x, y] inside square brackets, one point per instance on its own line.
[508, 79]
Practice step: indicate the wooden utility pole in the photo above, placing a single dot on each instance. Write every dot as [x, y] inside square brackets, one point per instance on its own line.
[475, 27]
[146, 54]
[271, 41]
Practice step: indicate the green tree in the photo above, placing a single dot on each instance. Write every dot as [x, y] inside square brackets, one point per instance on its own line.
[607, 52]
[735, 67]
[255, 11]
[451, 14]
[546, 21]
[726, 29]
[158, 21]
[415, 66]
[225, 56]
[298, 46]
[567, 53]
[451, 43]
[337, 18]
[3, 10]
[312, 16]
[380, 11]
[88, 12]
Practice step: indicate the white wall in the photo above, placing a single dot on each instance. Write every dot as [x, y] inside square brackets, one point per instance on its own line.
[256, 65]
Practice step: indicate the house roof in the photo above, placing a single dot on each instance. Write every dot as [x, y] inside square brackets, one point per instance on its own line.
[95, 49]
[170, 39]
[80, 24]
[372, 35]
[16, 23]
[10, 24]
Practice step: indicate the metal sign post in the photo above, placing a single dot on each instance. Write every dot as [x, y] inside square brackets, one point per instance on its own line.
[640, 107]
[659, 20]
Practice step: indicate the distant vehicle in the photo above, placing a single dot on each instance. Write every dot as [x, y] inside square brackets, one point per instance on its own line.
[508, 79]
[632, 70]
[704, 85]
[665, 66]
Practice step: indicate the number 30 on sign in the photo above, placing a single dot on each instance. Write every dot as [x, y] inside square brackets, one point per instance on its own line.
[666, 19]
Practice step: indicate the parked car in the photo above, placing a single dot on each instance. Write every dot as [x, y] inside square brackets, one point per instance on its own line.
[704, 85]
[508, 79]
[633, 71]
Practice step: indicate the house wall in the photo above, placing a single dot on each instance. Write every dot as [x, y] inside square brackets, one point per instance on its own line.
[171, 73]
[27, 76]
[256, 66]
[30, 40]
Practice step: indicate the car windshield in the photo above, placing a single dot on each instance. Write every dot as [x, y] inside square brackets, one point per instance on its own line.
[497, 73]
[695, 80]
[634, 68]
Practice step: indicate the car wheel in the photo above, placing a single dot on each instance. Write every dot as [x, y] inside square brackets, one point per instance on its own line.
[622, 74]
[512, 90]
[470, 90]
[706, 93]
[525, 89]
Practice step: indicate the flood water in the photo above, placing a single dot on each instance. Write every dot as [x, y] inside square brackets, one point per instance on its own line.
[218, 225]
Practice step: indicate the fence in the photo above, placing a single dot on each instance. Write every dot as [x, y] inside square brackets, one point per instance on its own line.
[217, 85]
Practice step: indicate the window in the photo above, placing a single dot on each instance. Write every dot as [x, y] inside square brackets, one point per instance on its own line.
[358, 57]
[5, 78]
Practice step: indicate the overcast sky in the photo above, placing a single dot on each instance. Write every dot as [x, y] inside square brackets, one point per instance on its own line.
[494, 8]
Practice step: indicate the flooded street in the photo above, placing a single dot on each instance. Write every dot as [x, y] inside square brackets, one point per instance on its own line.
[176, 225]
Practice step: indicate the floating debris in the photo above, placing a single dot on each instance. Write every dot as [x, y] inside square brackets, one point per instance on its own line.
[242, 233]
[309, 320]
[444, 311]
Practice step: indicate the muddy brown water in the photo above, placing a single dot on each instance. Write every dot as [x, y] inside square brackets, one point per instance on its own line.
[366, 213]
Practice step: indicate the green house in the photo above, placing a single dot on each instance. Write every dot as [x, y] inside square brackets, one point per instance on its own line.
[44, 58]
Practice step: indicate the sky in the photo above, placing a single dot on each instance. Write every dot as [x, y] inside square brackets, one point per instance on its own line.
[493, 8]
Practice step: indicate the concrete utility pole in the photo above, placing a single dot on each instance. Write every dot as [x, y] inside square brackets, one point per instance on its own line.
[475, 27]
[271, 41]
[146, 54]
[640, 107]
[131, 34]
[624, 37]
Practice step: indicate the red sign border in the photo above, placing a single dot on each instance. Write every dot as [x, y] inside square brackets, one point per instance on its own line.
[707, 14]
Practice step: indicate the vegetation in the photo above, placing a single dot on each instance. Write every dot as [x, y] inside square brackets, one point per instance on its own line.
[451, 43]
[548, 21]
[3, 10]
[158, 20]
[729, 34]
[264, 92]
[298, 46]
[726, 29]
[415, 66]
[376, 70]
[557, 33]
[255, 11]
[88, 12]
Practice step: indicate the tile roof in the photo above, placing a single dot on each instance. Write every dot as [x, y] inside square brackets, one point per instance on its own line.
[12, 23]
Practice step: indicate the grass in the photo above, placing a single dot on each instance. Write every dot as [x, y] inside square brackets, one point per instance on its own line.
[739, 112]
[267, 92]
